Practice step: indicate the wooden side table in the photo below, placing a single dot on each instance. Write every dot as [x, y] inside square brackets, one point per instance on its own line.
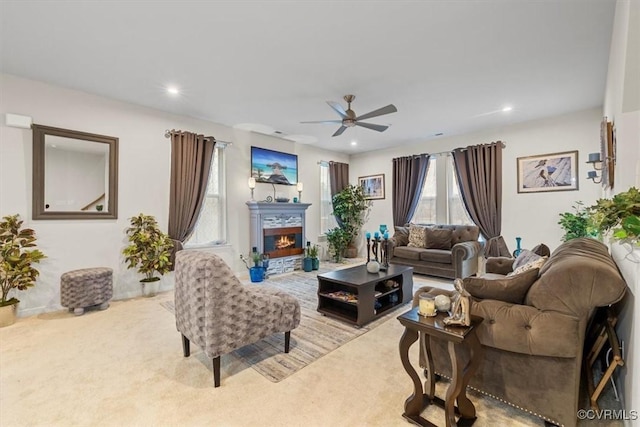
[456, 337]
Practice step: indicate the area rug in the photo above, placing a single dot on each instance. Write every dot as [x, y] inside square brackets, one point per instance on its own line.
[316, 336]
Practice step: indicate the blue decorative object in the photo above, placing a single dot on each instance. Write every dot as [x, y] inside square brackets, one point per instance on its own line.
[307, 264]
[256, 274]
[518, 248]
[367, 235]
[383, 228]
[376, 235]
[386, 235]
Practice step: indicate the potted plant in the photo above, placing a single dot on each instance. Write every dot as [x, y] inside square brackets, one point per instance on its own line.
[257, 272]
[618, 217]
[149, 249]
[16, 270]
[575, 224]
[338, 241]
[307, 261]
[350, 207]
[313, 253]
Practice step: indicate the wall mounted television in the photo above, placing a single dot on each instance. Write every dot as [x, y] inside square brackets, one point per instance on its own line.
[274, 167]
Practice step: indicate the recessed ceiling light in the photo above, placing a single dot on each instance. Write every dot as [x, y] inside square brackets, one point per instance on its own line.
[173, 90]
[506, 109]
[438, 134]
[354, 143]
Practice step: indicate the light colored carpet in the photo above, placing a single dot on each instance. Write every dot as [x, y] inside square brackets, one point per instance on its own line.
[316, 336]
[124, 367]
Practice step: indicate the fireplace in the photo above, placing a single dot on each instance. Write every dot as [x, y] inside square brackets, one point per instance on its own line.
[278, 230]
[284, 241]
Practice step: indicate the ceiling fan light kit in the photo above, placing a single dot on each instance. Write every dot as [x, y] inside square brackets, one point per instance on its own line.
[350, 119]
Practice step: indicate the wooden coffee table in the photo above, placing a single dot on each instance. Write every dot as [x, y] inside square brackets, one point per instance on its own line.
[456, 338]
[356, 296]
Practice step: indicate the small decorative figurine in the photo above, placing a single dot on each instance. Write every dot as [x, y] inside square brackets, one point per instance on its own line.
[460, 307]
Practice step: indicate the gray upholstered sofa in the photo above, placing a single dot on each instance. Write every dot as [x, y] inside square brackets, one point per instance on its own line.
[533, 350]
[459, 258]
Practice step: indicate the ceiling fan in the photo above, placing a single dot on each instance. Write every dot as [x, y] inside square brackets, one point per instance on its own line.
[349, 118]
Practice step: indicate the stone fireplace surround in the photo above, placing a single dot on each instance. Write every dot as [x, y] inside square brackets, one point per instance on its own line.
[286, 220]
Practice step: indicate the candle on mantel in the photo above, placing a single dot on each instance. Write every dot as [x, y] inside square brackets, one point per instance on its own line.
[594, 157]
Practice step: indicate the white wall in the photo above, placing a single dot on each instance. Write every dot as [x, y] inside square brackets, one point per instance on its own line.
[622, 106]
[144, 170]
[532, 216]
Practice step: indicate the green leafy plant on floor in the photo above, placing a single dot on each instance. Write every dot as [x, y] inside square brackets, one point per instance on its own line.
[338, 240]
[16, 259]
[575, 224]
[351, 208]
[149, 248]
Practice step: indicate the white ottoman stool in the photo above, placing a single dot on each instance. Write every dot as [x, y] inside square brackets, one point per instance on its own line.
[87, 287]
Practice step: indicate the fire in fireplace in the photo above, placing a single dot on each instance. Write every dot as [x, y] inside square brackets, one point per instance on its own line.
[284, 241]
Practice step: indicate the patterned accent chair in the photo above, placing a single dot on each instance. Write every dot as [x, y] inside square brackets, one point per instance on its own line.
[220, 314]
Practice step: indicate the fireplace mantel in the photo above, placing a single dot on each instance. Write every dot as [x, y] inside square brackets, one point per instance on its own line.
[265, 215]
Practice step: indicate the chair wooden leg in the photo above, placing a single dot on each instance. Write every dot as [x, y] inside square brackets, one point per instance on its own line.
[216, 371]
[287, 339]
[185, 346]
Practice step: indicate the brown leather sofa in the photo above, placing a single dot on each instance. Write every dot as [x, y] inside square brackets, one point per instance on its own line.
[461, 260]
[533, 351]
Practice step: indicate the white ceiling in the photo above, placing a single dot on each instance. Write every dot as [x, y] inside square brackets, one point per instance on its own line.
[448, 66]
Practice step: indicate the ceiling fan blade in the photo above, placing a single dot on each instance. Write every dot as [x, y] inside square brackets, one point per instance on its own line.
[379, 128]
[339, 131]
[379, 112]
[326, 122]
[338, 109]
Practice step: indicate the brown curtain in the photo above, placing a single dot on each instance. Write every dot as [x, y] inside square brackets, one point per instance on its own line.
[338, 179]
[191, 157]
[408, 180]
[479, 170]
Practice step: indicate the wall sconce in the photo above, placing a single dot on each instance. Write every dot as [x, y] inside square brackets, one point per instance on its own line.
[252, 184]
[596, 162]
[299, 186]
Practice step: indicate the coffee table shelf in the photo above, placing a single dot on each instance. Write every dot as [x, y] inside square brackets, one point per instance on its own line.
[365, 286]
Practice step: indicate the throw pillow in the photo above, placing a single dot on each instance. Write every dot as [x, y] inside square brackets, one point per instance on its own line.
[438, 238]
[525, 257]
[541, 249]
[537, 264]
[417, 236]
[401, 235]
[511, 289]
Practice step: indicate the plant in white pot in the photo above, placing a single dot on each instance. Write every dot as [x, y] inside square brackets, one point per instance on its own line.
[149, 248]
[17, 254]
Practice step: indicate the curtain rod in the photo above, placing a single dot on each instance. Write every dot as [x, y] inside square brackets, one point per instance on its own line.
[167, 134]
[449, 152]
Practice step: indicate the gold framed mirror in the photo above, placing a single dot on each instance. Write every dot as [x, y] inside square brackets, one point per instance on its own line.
[75, 174]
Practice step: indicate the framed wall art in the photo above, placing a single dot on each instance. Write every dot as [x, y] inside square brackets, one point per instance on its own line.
[274, 167]
[548, 172]
[373, 186]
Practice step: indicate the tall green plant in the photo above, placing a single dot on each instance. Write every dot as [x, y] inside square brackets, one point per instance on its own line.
[16, 271]
[149, 249]
[351, 207]
[575, 224]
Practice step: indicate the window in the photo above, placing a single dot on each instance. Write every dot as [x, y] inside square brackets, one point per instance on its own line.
[211, 226]
[440, 180]
[327, 220]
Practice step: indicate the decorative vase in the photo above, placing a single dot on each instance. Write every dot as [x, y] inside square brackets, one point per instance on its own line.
[8, 314]
[150, 286]
[307, 264]
[373, 266]
[315, 263]
[256, 274]
[443, 303]
[518, 248]
[351, 251]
